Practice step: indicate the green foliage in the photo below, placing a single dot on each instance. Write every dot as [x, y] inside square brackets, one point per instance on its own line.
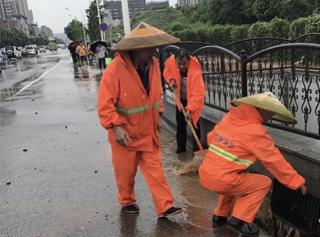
[160, 18]
[116, 33]
[250, 11]
[293, 9]
[15, 37]
[239, 32]
[297, 27]
[222, 12]
[259, 29]
[265, 10]
[74, 31]
[93, 21]
[313, 24]
[279, 28]
[223, 21]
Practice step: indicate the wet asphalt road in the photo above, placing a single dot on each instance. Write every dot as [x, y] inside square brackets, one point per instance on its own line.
[56, 176]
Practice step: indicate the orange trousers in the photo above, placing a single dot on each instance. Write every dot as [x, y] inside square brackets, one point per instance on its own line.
[241, 199]
[125, 165]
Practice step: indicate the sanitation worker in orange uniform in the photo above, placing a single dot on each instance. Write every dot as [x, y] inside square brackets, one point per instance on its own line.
[183, 73]
[237, 142]
[129, 107]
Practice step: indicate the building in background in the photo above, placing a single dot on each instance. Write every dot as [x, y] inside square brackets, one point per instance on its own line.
[34, 30]
[189, 3]
[114, 7]
[158, 4]
[16, 14]
[46, 32]
[2, 11]
[30, 17]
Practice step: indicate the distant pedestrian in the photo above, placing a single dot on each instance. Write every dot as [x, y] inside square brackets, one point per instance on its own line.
[101, 53]
[74, 56]
[82, 52]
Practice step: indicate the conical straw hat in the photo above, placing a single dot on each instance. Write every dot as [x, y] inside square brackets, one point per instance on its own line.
[269, 102]
[145, 36]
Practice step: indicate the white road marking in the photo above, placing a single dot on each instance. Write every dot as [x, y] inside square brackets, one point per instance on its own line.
[38, 79]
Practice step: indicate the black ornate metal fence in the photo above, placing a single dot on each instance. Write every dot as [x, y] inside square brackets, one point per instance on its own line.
[221, 70]
[308, 38]
[250, 46]
[290, 70]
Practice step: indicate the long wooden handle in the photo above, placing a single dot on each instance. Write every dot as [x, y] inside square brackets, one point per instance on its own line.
[188, 122]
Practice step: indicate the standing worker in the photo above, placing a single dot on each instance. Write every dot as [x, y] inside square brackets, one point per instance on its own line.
[183, 74]
[82, 52]
[129, 107]
[74, 55]
[237, 142]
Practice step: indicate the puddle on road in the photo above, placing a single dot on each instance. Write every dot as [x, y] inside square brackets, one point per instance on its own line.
[6, 117]
[86, 74]
[7, 93]
[29, 63]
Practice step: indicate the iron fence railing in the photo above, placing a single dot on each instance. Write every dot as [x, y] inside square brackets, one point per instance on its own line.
[252, 45]
[290, 70]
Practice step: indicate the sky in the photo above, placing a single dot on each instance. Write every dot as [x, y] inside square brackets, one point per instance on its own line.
[53, 13]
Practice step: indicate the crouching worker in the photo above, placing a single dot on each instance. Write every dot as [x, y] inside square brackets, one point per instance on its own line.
[129, 107]
[237, 142]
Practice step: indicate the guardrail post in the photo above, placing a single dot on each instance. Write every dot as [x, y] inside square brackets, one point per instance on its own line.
[244, 79]
[161, 63]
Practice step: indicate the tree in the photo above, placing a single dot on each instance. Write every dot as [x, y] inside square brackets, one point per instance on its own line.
[265, 10]
[74, 30]
[220, 12]
[293, 9]
[93, 21]
[16, 37]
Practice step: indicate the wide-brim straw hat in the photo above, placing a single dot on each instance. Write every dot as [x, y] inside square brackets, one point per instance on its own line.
[269, 102]
[145, 36]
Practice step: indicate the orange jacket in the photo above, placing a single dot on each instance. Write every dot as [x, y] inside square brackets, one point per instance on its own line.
[82, 51]
[123, 101]
[238, 141]
[195, 85]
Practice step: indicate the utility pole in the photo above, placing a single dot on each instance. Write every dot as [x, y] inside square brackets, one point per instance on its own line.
[99, 17]
[125, 16]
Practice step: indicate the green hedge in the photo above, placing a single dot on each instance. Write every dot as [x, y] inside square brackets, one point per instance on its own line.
[223, 34]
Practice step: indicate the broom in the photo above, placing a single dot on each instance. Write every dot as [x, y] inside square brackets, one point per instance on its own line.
[192, 166]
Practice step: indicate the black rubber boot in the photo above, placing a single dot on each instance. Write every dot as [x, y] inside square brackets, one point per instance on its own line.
[171, 212]
[131, 209]
[243, 227]
[219, 220]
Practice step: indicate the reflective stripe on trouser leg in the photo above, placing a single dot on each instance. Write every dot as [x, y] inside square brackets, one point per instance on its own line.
[125, 164]
[151, 168]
